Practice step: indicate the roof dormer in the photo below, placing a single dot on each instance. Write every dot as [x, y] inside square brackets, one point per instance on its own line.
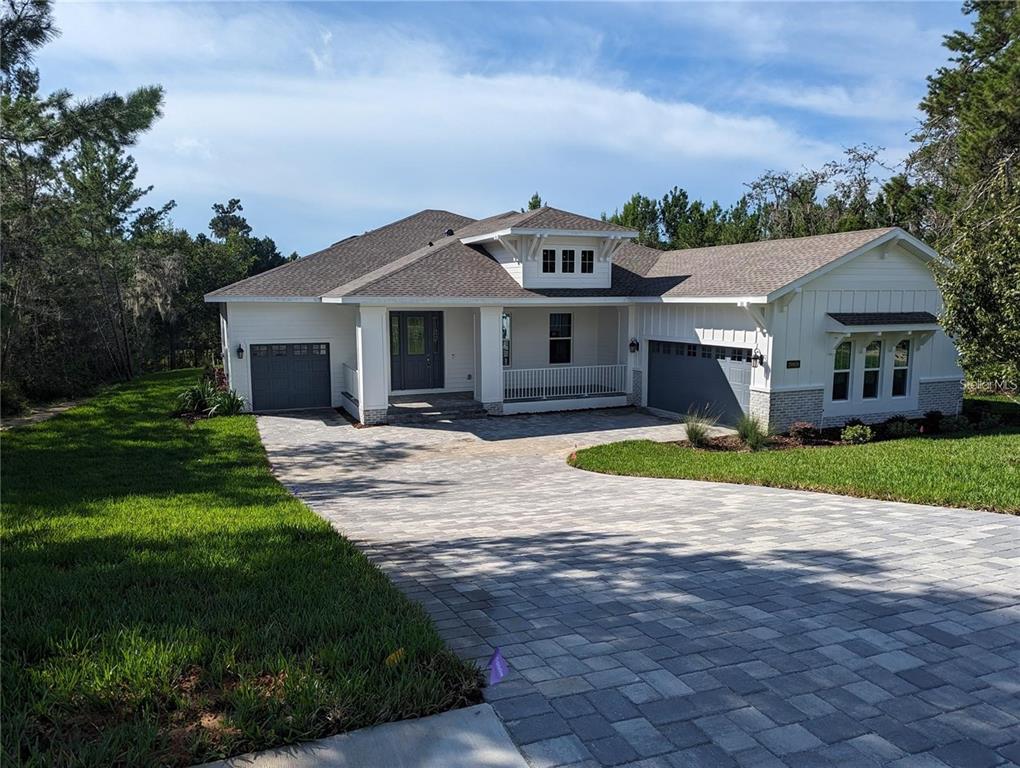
[550, 248]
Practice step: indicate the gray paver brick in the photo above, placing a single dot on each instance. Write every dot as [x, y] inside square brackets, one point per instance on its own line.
[731, 603]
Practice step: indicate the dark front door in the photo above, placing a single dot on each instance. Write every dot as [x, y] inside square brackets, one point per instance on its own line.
[416, 350]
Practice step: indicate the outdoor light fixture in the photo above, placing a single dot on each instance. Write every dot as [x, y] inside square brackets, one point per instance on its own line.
[240, 352]
[634, 345]
[757, 358]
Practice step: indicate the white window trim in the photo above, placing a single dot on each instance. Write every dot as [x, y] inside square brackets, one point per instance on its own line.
[564, 271]
[555, 261]
[569, 338]
[907, 368]
[849, 371]
[581, 260]
[508, 317]
[877, 369]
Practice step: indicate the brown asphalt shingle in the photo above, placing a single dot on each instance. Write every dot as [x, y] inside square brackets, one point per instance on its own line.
[415, 257]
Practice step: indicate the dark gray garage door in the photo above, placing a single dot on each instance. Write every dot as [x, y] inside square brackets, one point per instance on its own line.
[287, 376]
[688, 377]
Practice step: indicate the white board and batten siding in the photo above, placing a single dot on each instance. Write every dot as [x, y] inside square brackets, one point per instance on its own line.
[887, 279]
[720, 325]
[266, 322]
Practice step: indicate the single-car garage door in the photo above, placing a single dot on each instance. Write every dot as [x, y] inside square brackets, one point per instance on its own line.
[698, 377]
[287, 376]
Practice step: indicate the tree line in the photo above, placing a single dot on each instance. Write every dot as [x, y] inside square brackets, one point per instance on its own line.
[95, 287]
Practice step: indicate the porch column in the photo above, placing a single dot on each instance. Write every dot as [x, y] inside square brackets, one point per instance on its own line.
[373, 348]
[635, 381]
[490, 359]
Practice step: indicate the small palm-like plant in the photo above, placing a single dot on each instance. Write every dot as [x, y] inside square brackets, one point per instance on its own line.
[698, 425]
[752, 433]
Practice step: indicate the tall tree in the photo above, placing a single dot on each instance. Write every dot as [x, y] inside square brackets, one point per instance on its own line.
[641, 214]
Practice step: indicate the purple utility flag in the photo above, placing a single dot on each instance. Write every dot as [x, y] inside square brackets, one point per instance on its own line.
[498, 668]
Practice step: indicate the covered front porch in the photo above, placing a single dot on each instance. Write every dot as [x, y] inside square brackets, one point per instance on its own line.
[457, 361]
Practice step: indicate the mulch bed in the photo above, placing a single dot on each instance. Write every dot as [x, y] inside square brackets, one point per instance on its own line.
[775, 443]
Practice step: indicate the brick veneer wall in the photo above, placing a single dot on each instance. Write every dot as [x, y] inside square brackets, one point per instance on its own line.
[374, 416]
[780, 409]
[945, 396]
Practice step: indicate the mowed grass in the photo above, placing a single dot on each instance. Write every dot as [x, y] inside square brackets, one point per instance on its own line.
[167, 601]
[978, 471]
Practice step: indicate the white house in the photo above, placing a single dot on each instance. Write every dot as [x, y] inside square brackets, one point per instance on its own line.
[548, 310]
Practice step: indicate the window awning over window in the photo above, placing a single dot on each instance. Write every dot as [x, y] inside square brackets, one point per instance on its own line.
[874, 322]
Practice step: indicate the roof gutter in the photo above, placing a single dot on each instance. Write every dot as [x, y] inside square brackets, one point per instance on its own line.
[212, 298]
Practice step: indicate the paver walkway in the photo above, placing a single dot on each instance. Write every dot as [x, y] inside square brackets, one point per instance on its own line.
[659, 622]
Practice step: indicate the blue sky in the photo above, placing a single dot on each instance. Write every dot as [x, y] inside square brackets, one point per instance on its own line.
[328, 119]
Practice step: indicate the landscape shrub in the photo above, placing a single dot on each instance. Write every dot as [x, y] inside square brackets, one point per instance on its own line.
[933, 421]
[698, 425]
[752, 433]
[900, 428]
[989, 421]
[804, 431]
[215, 375]
[955, 424]
[856, 434]
[226, 402]
[206, 399]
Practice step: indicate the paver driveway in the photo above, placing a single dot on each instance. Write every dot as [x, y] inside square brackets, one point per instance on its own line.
[664, 622]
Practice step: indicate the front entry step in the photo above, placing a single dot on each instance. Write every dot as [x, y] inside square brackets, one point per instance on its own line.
[411, 409]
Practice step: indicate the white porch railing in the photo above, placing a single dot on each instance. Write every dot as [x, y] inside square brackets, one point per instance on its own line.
[564, 382]
[351, 383]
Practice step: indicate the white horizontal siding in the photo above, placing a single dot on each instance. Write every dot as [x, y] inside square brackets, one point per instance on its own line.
[594, 342]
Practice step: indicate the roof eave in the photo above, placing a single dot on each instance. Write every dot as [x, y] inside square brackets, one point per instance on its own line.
[212, 298]
[611, 234]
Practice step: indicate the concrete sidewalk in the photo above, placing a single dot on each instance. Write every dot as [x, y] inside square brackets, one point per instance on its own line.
[463, 738]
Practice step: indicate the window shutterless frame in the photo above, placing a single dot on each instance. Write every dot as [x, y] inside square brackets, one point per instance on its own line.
[560, 338]
[507, 341]
[587, 262]
[567, 261]
[901, 369]
[842, 360]
[548, 261]
[872, 370]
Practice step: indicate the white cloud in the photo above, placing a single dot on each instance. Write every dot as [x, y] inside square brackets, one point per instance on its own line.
[345, 122]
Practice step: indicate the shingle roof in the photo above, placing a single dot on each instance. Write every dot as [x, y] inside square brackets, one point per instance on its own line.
[553, 218]
[415, 257]
[755, 269]
[883, 318]
[348, 259]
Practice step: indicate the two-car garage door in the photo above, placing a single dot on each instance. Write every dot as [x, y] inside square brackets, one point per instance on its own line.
[683, 378]
[289, 376]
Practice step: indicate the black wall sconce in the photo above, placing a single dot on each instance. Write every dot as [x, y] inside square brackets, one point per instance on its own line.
[635, 345]
[757, 358]
[240, 352]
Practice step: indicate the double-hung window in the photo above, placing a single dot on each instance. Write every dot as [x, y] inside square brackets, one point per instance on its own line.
[872, 370]
[901, 368]
[548, 260]
[841, 371]
[587, 262]
[567, 261]
[560, 336]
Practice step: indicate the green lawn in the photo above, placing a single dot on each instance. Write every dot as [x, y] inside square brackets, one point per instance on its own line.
[166, 601]
[975, 471]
